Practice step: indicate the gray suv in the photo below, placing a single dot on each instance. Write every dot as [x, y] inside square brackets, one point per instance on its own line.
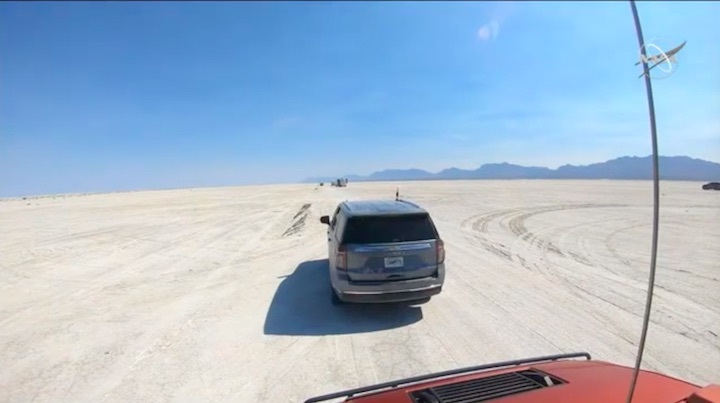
[383, 251]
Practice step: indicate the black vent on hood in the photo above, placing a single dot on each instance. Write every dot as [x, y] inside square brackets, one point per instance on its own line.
[486, 389]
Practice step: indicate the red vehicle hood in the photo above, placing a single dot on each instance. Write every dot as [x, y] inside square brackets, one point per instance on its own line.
[587, 382]
[549, 379]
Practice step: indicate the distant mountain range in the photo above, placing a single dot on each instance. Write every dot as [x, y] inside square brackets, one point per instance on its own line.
[636, 168]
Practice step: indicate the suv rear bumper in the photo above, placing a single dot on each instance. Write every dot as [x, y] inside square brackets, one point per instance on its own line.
[389, 296]
[386, 291]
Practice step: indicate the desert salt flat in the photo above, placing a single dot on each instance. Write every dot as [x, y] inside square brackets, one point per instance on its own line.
[222, 294]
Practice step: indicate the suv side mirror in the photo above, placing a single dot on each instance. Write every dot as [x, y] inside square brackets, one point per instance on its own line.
[325, 219]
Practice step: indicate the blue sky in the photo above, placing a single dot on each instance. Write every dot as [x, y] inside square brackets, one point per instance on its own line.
[100, 96]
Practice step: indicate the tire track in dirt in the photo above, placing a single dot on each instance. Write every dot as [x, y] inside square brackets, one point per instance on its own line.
[514, 221]
[552, 240]
[579, 251]
[479, 225]
[548, 268]
[501, 305]
[298, 220]
[608, 239]
[517, 224]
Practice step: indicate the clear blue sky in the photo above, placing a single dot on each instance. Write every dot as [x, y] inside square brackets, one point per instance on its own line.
[100, 96]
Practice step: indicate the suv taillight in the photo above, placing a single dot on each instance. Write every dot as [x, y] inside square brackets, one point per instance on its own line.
[440, 245]
[341, 258]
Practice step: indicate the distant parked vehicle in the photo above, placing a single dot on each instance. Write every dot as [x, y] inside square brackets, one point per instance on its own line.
[341, 183]
[711, 186]
[383, 251]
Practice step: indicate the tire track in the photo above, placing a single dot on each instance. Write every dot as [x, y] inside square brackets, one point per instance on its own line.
[553, 240]
[518, 227]
[513, 221]
[298, 221]
[615, 233]
[554, 273]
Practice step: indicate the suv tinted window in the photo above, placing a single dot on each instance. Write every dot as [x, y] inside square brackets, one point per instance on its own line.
[334, 217]
[385, 229]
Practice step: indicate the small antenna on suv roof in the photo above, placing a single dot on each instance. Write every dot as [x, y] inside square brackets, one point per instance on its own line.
[656, 201]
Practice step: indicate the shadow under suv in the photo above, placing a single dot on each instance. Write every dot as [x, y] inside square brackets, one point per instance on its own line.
[383, 251]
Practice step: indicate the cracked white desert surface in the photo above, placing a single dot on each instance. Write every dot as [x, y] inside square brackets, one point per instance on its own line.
[222, 294]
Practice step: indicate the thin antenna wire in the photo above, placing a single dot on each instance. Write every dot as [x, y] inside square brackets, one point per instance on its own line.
[656, 202]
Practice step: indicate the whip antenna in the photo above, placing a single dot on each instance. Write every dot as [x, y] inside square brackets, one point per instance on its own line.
[656, 201]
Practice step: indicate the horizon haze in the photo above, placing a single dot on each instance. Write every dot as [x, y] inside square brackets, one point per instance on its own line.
[681, 168]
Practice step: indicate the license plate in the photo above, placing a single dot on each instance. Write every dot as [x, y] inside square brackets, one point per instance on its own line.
[393, 262]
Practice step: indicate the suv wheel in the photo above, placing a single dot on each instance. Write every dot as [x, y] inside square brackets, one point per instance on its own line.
[335, 299]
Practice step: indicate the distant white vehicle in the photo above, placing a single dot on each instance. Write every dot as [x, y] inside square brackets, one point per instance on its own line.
[341, 183]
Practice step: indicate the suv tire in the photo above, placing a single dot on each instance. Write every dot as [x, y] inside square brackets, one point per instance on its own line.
[334, 298]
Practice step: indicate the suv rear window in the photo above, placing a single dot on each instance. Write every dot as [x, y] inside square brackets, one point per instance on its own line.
[386, 229]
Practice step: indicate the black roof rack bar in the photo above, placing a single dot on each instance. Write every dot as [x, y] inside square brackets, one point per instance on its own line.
[414, 379]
